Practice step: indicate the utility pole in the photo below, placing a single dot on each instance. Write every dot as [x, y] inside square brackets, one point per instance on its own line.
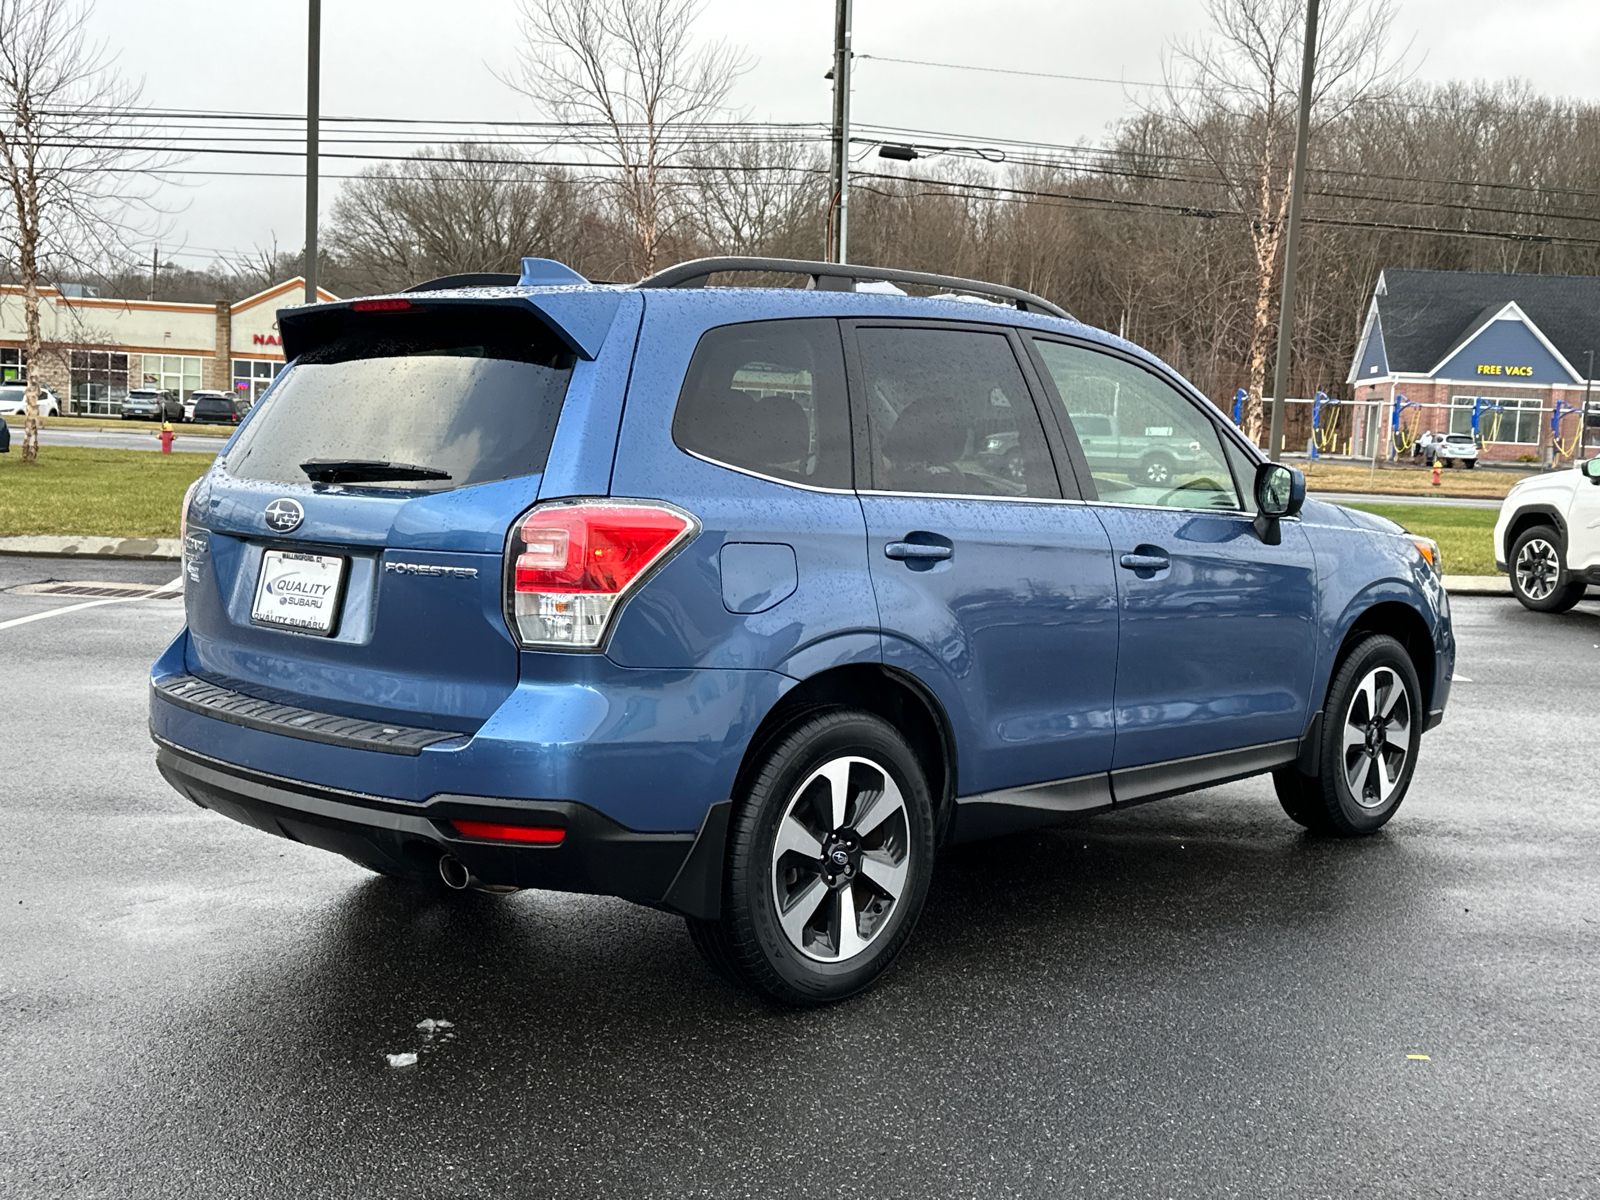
[155, 268]
[313, 114]
[840, 175]
[1297, 191]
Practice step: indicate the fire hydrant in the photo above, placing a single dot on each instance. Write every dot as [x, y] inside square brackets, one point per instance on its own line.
[1435, 472]
[166, 442]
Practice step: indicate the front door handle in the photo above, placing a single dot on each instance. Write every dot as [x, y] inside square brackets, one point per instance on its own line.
[904, 550]
[1146, 562]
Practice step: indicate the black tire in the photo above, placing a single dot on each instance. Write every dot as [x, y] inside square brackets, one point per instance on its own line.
[1539, 578]
[811, 961]
[1470, 463]
[1362, 695]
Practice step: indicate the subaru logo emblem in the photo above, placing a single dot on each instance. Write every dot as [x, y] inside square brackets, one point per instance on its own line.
[284, 515]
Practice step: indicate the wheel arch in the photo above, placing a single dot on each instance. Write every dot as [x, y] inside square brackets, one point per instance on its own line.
[1406, 625]
[1526, 519]
[895, 695]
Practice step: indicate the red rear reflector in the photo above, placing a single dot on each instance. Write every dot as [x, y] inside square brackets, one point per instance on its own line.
[381, 305]
[490, 832]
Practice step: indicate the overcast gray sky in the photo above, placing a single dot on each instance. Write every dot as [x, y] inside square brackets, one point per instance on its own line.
[434, 59]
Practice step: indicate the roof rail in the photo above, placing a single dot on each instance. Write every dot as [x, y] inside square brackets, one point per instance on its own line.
[841, 277]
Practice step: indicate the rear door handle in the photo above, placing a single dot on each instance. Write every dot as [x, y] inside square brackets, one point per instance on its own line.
[904, 550]
[1146, 562]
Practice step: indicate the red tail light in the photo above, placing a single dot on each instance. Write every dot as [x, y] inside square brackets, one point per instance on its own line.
[381, 305]
[529, 835]
[573, 562]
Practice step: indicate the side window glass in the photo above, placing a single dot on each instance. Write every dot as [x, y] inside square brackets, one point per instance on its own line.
[1146, 443]
[948, 412]
[1244, 473]
[769, 397]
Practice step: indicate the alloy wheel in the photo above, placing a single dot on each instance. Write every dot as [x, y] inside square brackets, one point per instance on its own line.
[1377, 737]
[1538, 569]
[840, 859]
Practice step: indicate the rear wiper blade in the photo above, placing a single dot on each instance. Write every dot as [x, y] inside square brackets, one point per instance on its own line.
[365, 470]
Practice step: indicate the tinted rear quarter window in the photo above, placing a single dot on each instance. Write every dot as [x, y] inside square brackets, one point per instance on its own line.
[473, 392]
[769, 397]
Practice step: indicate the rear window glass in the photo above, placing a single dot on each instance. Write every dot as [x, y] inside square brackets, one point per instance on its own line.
[474, 394]
[769, 397]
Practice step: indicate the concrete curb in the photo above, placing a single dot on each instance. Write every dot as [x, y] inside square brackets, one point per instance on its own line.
[93, 547]
[1477, 585]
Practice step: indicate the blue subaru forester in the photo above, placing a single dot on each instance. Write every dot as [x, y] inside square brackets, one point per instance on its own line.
[740, 602]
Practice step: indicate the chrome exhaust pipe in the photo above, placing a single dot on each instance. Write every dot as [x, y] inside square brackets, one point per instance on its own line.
[453, 873]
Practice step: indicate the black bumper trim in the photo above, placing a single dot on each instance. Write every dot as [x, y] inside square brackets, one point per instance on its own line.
[210, 700]
[597, 856]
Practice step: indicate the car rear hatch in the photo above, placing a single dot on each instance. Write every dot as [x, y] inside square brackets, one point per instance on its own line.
[345, 555]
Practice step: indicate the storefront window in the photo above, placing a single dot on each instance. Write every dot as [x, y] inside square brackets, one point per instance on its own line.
[252, 376]
[13, 369]
[175, 373]
[99, 382]
[1517, 423]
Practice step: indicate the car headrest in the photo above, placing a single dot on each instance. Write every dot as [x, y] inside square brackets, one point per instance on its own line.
[930, 432]
[771, 432]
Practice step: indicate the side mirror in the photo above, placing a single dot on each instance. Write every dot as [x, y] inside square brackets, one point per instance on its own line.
[1591, 469]
[1280, 491]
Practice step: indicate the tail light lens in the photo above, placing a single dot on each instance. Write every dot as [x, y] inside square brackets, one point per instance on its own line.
[571, 564]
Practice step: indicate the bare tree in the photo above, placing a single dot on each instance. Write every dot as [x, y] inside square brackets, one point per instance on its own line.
[1234, 97]
[67, 171]
[629, 80]
[467, 207]
[759, 196]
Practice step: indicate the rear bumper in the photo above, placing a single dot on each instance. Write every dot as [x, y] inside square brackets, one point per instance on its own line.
[676, 871]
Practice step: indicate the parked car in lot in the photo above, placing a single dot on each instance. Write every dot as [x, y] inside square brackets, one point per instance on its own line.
[195, 397]
[1457, 450]
[151, 404]
[739, 602]
[218, 408]
[14, 401]
[1547, 537]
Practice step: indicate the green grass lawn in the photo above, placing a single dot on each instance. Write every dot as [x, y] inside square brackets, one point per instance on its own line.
[78, 491]
[1465, 535]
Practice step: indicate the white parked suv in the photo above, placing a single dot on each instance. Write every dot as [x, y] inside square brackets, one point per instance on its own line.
[13, 401]
[1549, 534]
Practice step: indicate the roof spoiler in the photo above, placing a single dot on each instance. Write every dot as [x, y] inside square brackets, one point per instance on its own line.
[580, 317]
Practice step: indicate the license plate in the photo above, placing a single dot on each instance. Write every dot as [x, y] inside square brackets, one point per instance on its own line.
[298, 591]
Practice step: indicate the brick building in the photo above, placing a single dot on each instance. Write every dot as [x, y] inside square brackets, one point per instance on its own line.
[97, 348]
[1512, 348]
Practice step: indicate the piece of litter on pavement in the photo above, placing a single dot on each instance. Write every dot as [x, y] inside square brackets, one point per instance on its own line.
[408, 1059]
[1417, 1057]
[1462, 679]
[428, 1025]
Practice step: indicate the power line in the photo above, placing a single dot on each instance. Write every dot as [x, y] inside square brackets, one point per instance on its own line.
[917, 62]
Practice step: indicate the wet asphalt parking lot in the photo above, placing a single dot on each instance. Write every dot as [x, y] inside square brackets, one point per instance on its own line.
[1190, 998]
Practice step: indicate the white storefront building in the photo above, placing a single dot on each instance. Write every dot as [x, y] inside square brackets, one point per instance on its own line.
[96, 349]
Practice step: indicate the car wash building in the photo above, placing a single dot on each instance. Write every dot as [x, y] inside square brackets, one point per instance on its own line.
[96, 348]
[1502, 356]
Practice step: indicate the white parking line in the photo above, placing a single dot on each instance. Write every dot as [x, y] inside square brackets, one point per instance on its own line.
[166, 591]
